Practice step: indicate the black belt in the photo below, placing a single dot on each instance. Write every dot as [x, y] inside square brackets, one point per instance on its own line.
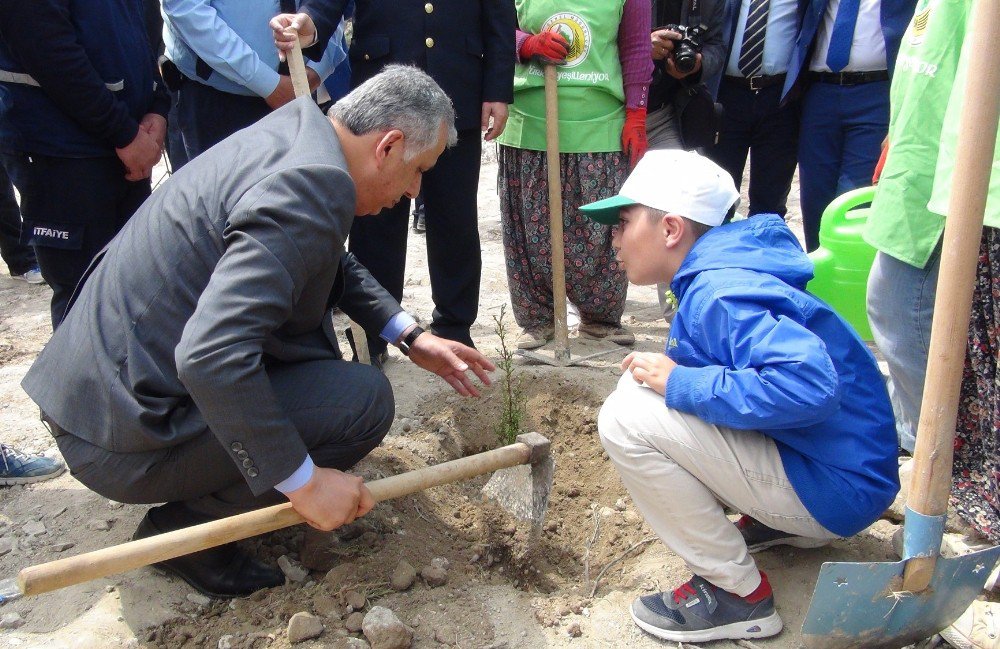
[759, 82]
[850, 78]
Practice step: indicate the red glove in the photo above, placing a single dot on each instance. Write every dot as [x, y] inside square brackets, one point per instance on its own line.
[547, 45]
[881, 163]
[634, 135]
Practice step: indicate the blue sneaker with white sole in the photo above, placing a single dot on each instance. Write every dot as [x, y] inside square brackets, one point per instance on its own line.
[700, 612]
[21, 468]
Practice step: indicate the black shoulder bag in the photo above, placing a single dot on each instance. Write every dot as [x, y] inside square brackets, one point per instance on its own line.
[698, 115]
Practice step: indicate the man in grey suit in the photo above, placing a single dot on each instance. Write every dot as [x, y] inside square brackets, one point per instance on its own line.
[197, 365]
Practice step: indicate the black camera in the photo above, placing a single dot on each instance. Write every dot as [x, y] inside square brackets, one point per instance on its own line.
[687, 47]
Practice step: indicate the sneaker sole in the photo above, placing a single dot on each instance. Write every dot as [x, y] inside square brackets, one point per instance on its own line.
[10, 482]
[761, 628]
[795, 542]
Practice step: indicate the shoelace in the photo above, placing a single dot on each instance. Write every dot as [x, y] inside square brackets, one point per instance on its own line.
[683, 592]
[8, 452]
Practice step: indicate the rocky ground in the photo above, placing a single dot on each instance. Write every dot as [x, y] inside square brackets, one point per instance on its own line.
[435, 569]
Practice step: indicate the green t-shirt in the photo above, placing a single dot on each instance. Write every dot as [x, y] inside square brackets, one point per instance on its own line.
[949, 144]
[899, 223]
[591, 92]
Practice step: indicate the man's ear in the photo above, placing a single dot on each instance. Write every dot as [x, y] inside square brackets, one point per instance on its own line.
[672, 229]
[391, 142]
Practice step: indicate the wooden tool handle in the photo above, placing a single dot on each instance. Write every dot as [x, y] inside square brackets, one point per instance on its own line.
[930, 484]
[135, 554]
[297, 69]
[555, 211]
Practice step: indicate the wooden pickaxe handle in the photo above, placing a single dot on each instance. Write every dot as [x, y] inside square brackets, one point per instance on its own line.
[54, 575]
[297, 69]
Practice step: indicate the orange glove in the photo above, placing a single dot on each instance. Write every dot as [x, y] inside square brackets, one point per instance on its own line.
[881, 162]
[634, 135]
[549, 46]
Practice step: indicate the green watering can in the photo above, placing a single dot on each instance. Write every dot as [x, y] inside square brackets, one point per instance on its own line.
[843, 260]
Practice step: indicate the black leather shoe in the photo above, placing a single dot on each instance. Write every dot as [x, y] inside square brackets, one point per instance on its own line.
[222, 572]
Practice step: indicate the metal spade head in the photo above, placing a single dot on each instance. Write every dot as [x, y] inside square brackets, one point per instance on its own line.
[860, 604]
[524, 489]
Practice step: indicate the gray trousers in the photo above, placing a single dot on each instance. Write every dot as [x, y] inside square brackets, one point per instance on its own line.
[341, 410]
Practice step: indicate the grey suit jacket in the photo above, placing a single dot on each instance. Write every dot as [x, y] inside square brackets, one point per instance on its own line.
[233, 264]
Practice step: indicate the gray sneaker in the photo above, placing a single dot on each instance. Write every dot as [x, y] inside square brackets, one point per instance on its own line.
[760, 537]
[700, 612]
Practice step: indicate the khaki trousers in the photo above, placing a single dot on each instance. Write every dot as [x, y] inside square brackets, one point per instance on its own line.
[680, 470]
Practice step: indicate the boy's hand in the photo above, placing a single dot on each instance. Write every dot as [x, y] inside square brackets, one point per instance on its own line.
[650, 368]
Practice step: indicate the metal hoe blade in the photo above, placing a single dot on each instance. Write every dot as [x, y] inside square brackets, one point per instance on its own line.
[524, 490]
[860, 604]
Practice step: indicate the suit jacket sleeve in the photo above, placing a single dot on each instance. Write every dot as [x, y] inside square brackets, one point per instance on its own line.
[278, 234]
[498, 23]
[713, 51]
[326, 15]
[364, 300]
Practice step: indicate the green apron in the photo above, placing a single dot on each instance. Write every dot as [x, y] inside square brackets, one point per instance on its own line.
[591, 92]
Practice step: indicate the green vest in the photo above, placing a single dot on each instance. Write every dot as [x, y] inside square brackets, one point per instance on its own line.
[591, 93]
[925, 83]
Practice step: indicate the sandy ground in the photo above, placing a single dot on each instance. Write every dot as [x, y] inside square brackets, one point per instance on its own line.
[495, 596]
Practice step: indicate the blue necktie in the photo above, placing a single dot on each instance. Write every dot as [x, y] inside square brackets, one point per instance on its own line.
[843, 35]
[751, 59]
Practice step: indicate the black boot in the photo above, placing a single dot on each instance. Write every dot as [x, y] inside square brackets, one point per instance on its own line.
[222, 572]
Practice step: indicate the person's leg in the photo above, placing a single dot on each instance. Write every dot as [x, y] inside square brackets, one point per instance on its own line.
[820, 154]
[72, 207]
[738, 122]
[773, 152]
[206, 116]
[662, 129]
[900, 309]
[866, 123]
[678, 468]
[454, 258]
[379, 243]
[20, 258]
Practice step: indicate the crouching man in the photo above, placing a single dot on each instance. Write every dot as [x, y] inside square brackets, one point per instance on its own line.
[197, 364]
[765, 400]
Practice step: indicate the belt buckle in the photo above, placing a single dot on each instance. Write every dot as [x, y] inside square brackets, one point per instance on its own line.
[753, 83]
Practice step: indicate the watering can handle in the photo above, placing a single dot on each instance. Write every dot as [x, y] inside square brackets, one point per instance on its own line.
[835, 214]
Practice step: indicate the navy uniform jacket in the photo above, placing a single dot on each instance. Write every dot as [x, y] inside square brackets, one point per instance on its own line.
[467, 46]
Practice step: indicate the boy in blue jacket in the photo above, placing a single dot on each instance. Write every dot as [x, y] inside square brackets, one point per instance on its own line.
[764, 400]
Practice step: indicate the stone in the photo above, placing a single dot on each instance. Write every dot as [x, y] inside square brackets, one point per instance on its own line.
[620, 504]
[114, 504]
[34, 528]
[226, 642]
[402, 577]
[6, 545]
[55, 512]
[434, 577]
[340, 574]
[574, 630]
[355, 600]
[99, 525]
[385, 631]
[327, 607]
[11, 621]
[440, 562]
[354, 622]
[350, 643]
[61, 547]
[293, 572]
[607, 512]
[304, 626]
[198, 599]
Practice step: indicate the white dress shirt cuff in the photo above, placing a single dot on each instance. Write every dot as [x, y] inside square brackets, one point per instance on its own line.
[298, 479]
[396, 326]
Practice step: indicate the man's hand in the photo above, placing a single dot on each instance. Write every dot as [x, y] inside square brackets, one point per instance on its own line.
[156, 126]
[663, 43]
[284, 38]
[283, 94]
[497, 111]
[140, 155]
[650, 368]
[331, 498]
[451, 361]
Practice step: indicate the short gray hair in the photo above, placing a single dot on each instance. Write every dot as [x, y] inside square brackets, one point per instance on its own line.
[400, 97]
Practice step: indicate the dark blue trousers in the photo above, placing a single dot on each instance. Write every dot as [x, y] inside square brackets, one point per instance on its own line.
[757, 123]
[19, 257]
[207, 116]
[842, 132]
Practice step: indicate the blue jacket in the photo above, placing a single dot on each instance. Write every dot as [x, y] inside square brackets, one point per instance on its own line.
[756, 351]
[95, 72]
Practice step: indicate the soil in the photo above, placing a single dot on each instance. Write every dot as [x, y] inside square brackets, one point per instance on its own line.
[571, 586]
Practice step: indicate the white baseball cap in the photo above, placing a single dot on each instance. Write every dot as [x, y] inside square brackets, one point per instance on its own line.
[673, 181]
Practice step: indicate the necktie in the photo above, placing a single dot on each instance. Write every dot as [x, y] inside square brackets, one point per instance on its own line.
[752, 50]
[843, 35]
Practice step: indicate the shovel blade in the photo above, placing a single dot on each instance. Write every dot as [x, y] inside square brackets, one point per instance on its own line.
[860, 604]
[523, 490]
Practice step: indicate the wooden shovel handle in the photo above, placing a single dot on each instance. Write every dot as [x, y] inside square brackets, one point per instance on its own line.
[135, 554]
[555, 211]
[930, 484]
[297, 69]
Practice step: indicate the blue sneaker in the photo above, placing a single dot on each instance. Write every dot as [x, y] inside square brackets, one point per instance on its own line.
[700, 612]
[20, 468]
[32, 276]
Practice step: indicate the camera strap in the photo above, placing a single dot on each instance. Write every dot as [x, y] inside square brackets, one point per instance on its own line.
[694, 13]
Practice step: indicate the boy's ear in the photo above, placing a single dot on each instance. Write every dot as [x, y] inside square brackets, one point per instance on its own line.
[672, 229]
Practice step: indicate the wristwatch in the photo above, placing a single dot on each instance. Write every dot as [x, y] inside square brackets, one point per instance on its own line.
[408, 339]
